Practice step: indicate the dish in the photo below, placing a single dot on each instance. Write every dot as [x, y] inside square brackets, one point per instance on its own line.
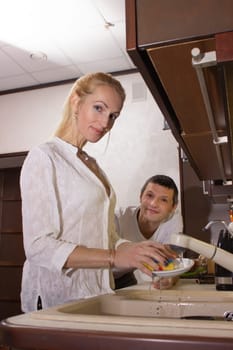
[183, 265]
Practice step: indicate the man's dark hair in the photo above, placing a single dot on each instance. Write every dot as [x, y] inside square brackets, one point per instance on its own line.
[164, 181]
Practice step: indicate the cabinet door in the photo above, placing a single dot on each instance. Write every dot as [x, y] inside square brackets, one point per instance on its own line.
[163, 21]
[173, 64]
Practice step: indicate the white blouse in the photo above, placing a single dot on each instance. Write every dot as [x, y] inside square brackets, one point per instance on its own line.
[127, 225]
[64, 205]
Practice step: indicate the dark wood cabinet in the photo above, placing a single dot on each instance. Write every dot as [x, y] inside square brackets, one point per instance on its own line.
[160, 38]
[173, 64]
[11, 243]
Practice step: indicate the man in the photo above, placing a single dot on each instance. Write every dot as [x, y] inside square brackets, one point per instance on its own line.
[156, 218]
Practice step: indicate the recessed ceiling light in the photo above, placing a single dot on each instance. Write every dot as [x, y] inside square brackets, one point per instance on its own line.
[38, 56]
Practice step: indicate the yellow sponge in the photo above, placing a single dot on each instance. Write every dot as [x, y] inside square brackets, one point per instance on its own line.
[170, 266]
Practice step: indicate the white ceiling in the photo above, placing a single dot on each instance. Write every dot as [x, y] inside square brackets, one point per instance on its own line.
[76, 37]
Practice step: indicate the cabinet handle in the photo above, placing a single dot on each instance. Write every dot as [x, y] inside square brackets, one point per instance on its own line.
[205, 191]
[199, 61]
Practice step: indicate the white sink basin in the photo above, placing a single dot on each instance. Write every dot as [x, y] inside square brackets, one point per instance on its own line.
[186, 300]
[146, 303]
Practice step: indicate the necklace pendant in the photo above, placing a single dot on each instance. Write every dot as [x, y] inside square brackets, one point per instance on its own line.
[82, 155]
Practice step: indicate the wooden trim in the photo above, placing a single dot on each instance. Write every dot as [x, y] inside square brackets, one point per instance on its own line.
[14, 154]
[131, 34]
[44, 338]
[58, 83]
[12, 160]
[1, 196]
[224, 47]
[9, 264]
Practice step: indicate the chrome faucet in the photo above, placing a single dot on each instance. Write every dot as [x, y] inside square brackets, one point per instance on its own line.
[229, 227]
[212, 222]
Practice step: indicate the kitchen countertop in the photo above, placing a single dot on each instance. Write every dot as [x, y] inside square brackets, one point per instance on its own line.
[120, 328]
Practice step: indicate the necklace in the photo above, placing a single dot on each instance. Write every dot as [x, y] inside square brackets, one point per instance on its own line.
[83, 155]
[93, 166]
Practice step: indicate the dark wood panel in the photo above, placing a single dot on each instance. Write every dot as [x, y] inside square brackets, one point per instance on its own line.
[10, 283]
[11, 248]
[174, 67]
[11, 216]
[11, 184]
[54, 338]
[9, 308]
[171, 21]
[224, 47]
[11, 242]
[12, 160]
[228, 70]
[204, 154]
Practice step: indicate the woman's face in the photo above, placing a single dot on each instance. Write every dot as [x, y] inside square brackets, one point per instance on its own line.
[96, 113]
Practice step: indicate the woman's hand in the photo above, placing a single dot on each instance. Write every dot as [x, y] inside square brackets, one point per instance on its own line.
[145, 256]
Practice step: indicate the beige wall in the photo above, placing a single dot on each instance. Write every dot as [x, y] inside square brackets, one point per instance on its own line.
[138, 146]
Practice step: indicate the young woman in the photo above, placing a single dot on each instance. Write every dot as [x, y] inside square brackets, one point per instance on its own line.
[68, 206]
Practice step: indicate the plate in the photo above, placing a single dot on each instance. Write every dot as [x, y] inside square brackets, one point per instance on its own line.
[183, 265]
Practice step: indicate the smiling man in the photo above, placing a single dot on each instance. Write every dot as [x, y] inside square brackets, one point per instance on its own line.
[156, 219]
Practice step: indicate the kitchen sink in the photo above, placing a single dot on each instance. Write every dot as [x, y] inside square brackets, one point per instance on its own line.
[196, 302]
[153, 303]
[189, 312]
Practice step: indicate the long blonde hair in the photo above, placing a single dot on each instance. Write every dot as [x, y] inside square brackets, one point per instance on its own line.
[82, 87]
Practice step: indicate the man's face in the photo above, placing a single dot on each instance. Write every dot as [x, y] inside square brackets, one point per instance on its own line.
[157, 203]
